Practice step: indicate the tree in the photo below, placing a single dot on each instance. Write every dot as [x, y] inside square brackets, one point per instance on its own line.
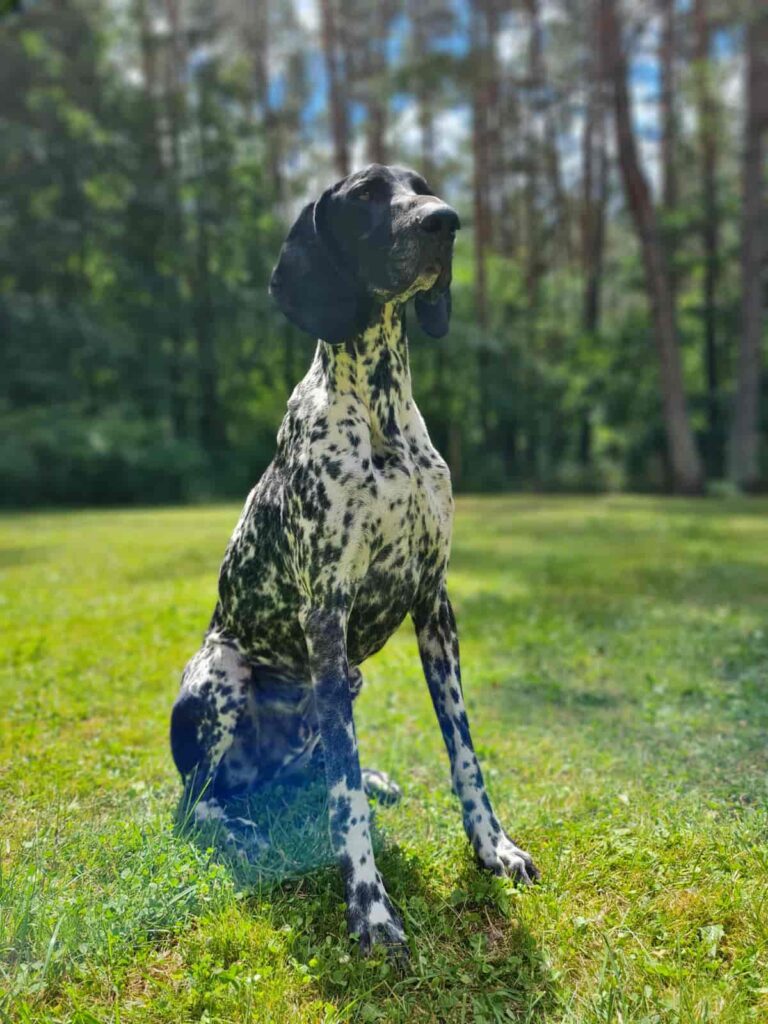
[744, 441]
[421, 25]
[337, 87]
[708, 135]
[668, 98]
[483, 77]
[593, 208]
[667, 55]
[594, 190]
[685, 463]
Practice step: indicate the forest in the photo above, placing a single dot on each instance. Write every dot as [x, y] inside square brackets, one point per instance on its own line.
[608, 161]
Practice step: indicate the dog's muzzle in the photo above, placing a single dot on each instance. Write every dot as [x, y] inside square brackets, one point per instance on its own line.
[437, 225]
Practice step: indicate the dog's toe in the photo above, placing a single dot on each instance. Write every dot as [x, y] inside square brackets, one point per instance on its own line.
[388, 936]
[508, 859]
[244, 837]
[380, 787]
[521, 868]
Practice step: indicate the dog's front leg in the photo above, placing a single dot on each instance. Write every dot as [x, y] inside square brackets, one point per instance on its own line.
[370, 913]
[439, 650]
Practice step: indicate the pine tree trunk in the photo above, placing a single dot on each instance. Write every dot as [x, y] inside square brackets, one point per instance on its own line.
[594, 197]
[707, 130]
[668, 101]
[667, 46]
[743, 449]
[174, 174]
[375, 86]
[336, 100]
[210, 419]
[426, 116]
[259, 43]
[539, 82]
[533, 253]
[685, 463]
[480, 46]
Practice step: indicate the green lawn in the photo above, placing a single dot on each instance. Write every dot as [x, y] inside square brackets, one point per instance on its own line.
[615, 657]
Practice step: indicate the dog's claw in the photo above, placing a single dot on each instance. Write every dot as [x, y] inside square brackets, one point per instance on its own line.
[389, 935]
[380, 787]
[244, 837]
[507, 859]
[377, 923]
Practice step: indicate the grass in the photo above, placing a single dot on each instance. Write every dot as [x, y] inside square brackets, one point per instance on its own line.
[615, 659]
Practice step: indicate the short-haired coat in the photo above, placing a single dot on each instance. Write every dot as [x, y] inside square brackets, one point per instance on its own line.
[346, 533]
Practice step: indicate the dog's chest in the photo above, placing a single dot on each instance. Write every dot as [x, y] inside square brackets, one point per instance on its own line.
[356, 509]
[406, 515]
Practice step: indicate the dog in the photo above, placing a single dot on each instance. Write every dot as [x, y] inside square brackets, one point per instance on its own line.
[347, 532]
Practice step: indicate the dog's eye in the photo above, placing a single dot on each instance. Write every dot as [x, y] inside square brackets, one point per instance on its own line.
[364, 194]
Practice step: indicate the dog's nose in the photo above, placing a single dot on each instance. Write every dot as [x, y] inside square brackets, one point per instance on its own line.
[439, 217]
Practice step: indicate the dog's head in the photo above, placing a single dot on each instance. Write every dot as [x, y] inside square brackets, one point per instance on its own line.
[379, 235]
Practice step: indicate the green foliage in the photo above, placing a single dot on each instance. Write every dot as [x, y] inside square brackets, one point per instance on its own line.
[615, 658]
[113, 457]
[144, 199]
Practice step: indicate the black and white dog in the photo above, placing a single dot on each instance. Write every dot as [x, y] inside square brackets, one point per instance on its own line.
[347, 532]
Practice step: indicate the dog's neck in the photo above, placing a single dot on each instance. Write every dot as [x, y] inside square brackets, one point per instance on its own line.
[373, 368]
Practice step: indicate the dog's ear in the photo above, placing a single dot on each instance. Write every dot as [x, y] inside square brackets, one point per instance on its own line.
[433, 311]
[311, 285]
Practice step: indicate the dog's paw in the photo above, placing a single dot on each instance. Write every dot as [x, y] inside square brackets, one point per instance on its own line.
[505, 858]
[244, 838]
[373, 919]
[387, 934]
[380, 787]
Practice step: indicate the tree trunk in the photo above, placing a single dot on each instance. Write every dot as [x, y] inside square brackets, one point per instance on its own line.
[375, 86]
[426, 116]
[707, 130]
[685, 464]
[174, 95]
[594, 240]
[152, 399]
[480, 96]
[667, 46]
[667, 96]
[533, 254]
[743, 449]
[259, 42]
[210, 419]
[337, 103]
[594, 198]
[539, 84]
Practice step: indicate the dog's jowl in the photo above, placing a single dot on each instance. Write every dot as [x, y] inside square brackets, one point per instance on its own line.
[347, 532]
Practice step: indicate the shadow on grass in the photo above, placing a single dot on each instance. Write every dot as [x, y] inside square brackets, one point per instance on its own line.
[470, 952]
[471, 956]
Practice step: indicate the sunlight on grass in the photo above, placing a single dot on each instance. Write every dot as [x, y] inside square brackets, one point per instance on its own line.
[615, 655]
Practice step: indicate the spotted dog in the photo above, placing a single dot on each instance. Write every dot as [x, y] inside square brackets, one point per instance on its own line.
[347, 532]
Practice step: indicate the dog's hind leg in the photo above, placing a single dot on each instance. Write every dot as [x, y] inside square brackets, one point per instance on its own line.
[205, 717]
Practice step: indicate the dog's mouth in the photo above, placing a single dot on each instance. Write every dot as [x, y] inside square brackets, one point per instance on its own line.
[438, 273]
[428, 278]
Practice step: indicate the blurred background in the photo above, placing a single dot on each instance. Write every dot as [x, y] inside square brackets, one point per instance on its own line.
[607, 159]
